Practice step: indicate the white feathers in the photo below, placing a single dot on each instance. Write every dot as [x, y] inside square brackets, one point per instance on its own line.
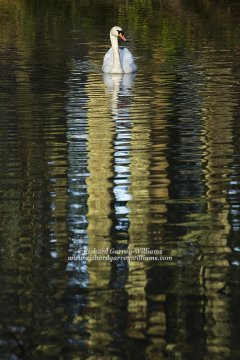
[126, 61]
[117, 60]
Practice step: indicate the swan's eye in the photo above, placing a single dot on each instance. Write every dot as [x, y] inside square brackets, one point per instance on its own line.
[120, 32]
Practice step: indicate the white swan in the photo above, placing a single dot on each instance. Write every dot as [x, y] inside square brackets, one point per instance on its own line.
[118, 61]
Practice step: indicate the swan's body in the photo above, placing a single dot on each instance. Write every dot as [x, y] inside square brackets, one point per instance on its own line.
[116, 60]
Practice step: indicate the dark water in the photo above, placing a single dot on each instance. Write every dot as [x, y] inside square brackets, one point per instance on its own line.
[129, 163]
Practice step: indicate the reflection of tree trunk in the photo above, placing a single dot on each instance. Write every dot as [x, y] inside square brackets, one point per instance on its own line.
[219, 151]
[100, 150]
[159, 144]
[138, 229]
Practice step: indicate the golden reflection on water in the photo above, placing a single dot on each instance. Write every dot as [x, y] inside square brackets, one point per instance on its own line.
[138, 218]
[100, 148]
[218, 156]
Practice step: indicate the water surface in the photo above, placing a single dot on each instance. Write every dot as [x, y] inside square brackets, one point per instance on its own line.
[119, 165]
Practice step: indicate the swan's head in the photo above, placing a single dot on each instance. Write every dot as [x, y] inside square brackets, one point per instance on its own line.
[118, 32]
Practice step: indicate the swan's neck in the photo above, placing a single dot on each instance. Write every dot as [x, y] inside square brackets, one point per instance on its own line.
[117, 68]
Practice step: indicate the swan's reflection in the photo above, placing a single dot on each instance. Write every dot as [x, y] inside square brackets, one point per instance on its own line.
[120, 88]
[117, 81]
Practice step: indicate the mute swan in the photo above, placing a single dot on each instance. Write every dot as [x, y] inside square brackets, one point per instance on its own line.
[118, 61]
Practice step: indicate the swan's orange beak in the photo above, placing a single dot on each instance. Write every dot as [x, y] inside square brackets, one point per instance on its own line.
[122, 37]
